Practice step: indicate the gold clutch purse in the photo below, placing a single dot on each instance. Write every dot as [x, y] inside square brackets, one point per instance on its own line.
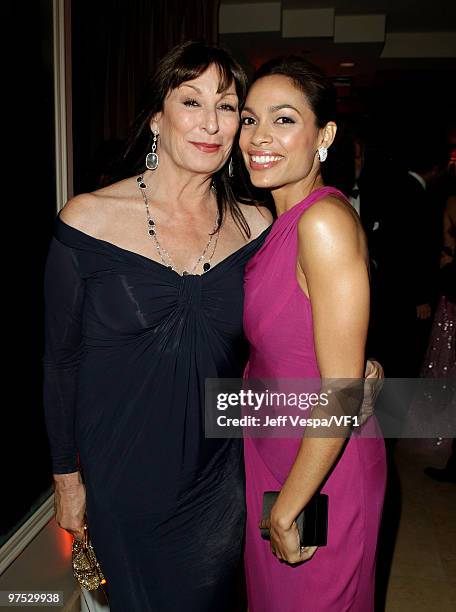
[86, 568]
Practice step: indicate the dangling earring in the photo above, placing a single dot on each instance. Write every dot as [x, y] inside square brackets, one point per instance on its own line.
[231, 168]
[322, 153]
[152, 158]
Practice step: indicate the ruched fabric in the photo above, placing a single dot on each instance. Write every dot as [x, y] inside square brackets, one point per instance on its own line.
[129, 344]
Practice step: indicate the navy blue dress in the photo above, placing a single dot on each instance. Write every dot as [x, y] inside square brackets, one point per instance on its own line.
[129, 344]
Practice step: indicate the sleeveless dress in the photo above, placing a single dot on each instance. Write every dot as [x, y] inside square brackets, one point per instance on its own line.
[129, 344]
[278, 325]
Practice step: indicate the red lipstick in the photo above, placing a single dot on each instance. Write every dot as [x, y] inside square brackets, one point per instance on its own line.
[206, 147]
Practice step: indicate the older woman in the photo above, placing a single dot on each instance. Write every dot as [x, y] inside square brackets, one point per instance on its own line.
[306, 316]
[144, 301]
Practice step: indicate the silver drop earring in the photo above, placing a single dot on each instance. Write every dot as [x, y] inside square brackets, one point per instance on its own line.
[322, 153]
[152, 158]
[231, 168]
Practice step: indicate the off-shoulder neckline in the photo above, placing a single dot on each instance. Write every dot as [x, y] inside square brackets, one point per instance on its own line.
[116, 247]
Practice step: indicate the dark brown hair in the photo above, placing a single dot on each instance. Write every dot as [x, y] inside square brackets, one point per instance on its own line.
[311, 80]
[321, 96]
[183, 63]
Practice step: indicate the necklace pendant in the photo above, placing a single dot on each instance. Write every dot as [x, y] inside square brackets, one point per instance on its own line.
[152, 164]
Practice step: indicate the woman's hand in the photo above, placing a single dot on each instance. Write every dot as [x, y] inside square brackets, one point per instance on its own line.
[285, 543]
[374, 377]
[70, 503]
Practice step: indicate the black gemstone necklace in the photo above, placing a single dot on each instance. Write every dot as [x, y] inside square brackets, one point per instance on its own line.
[162, 252]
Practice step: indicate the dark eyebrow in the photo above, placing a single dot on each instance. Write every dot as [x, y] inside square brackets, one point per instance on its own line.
[198, 90]
[273, 109]
[192, 86]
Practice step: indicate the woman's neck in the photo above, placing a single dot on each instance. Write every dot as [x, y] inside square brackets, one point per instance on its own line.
[179, 188]
[287, 196]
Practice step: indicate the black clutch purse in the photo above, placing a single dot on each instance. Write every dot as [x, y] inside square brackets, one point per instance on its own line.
[312, 522]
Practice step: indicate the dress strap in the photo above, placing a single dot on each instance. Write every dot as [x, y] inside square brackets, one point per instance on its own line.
[277, 257]
[295, 211]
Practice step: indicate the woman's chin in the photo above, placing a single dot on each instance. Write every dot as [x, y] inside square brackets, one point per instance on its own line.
[203, 168]
[263, 182]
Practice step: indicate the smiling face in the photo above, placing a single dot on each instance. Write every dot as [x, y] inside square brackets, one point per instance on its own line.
[198, 124]
[279, 136]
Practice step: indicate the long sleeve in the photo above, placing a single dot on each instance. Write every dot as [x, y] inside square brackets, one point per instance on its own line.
[63, 295]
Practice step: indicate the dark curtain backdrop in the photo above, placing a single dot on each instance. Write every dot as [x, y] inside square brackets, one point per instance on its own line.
[28, 212]
[116, 44]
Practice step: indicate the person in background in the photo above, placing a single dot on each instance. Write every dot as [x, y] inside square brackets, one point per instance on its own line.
[409, 261]
[365, 197]
[440, 359]
[350, 171]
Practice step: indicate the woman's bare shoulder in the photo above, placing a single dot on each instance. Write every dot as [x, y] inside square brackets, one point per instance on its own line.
[332, 224]
[87, 211]
[81, 212]
[331, 212]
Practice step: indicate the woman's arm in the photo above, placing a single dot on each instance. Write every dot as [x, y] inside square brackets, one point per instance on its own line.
[333, 260]
[64, 294]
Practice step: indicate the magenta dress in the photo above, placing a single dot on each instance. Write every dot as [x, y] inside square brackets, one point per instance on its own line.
[278, 325]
